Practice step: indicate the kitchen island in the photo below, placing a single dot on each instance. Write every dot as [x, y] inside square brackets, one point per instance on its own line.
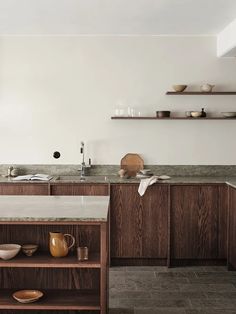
[68, 284]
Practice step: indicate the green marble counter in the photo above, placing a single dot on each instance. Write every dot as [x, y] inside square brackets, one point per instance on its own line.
[54, 208]
[112, 179]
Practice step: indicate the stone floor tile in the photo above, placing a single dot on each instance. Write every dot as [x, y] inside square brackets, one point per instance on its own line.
[117, 268]
[164, 286]
[186, 269]
[194, 311]
[213, 268]
[177, 294]
[222, 303]
[154, 303]
[146, 268]
[181, 290]
[211, 279]
[121, 311]
[158, 311]
[171, 275]
[126, 294]
[207, 287]
[218, 311]
[216, 274]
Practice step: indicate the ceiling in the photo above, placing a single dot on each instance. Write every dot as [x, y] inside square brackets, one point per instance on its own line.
[154, 17]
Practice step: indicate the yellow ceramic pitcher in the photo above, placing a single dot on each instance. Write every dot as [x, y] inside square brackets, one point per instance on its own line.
[58, 245]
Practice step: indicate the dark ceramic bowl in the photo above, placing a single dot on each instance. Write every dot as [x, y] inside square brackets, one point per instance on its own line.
[163, 114]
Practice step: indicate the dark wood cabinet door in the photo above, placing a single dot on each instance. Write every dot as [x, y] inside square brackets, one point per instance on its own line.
[223, 219]
[24, 189]
[196, 212]
[79, 189]
[139, 224]
[232, 229]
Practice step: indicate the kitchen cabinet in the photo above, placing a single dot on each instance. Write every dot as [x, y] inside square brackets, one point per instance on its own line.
[79, 189]
[198, 222]
[24, 189]
[139, 225]
[232, 229]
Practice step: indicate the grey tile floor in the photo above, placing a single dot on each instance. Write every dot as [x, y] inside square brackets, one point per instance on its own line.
[182, 290]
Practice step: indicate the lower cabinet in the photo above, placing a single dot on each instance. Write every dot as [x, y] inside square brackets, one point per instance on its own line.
[139, 225]
[198, 222]
[24, 189]
[232, 229]
[79, 189]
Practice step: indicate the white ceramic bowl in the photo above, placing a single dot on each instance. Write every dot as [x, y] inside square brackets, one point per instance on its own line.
[229, 114]
[196, 114]
[179, 88]
[145, 171]
[8, 251]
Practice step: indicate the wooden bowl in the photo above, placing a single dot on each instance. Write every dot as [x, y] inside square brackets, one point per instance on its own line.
[163, 114]
[179, 88]
[27, 296]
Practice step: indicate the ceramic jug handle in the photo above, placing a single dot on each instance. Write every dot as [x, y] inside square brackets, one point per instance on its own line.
[73, 240]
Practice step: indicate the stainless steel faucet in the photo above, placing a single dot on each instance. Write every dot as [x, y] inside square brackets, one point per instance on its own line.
[83, 165]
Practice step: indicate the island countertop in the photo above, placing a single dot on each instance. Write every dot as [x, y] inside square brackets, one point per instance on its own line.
[54, 208]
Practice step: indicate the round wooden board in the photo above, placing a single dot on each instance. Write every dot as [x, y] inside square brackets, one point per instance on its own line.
[132, 163]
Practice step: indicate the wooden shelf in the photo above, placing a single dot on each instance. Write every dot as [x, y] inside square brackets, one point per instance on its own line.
[45, 260]
[200, 93]
[172, 118]
[54, 300]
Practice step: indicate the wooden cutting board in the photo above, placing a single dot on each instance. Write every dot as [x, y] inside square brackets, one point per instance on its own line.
[132, 163]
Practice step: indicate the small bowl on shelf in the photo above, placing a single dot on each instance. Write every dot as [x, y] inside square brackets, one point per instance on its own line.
[8, 251]
[179, 88]
[196, 114]
[229, 114]
[29, 249]
[163, 114]
[27, 296]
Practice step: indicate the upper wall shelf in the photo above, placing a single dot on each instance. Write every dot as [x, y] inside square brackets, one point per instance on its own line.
[200, 93]
[172, 118]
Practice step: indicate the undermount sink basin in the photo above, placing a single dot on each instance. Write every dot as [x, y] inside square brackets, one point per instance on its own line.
[84, 179]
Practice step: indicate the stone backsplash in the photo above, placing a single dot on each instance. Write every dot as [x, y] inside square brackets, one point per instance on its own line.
[95, 170]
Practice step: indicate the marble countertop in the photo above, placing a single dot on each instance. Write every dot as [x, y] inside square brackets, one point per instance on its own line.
[116, 179]
[54, 208]
[109, 179]
[232, 183]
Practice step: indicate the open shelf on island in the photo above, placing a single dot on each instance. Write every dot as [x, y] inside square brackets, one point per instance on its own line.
[45, 260]
[200, 93]
[173, 118]
[54, 300]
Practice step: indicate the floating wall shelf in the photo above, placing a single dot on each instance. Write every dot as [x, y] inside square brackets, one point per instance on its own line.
[173, 118]
[200, 93]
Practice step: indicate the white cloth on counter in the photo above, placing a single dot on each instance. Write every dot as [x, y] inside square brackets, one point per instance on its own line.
[145, 183]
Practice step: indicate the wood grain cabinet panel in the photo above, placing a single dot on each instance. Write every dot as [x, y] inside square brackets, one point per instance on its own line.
[24, 189]
[139, 224]
[79, 189]
[198, 222]
[232, 229]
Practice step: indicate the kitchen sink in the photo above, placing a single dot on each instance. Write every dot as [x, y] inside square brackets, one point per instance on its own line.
[85, 179]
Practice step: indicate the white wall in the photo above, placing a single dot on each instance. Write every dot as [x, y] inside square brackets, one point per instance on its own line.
[57, 91]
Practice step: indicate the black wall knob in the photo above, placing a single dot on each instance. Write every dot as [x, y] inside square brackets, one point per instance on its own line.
[56, 155]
